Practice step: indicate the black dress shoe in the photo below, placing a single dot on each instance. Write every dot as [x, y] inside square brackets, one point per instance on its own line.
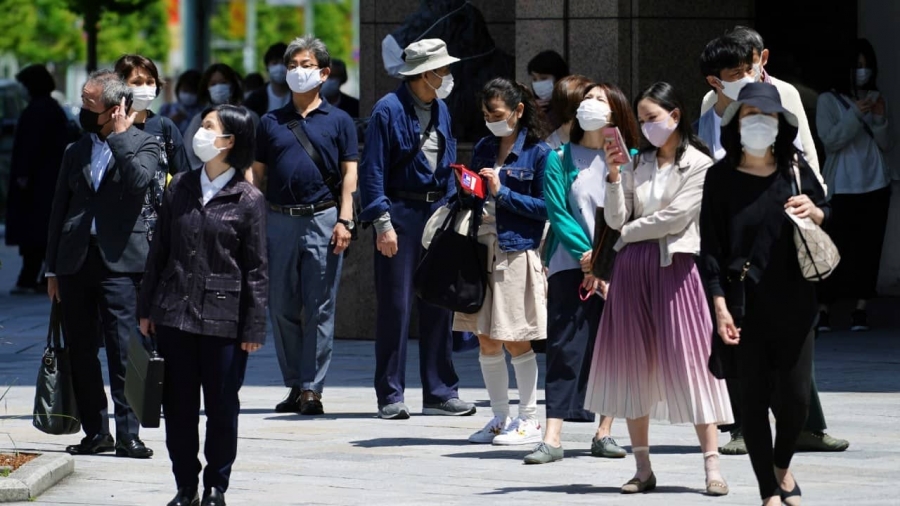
[292, 403]
[132, 447]
[212, 497]
[101, 443]
[311, 403]
[186, 497]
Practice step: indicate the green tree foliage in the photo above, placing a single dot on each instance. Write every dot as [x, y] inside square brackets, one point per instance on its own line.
[40, 31]
[279, 23]
[52, 31]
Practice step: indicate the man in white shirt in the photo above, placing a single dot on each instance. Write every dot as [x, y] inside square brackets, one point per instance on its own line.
[729, 83]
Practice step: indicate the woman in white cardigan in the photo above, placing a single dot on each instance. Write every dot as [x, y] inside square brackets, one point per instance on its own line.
[852, 123]
[652, 348]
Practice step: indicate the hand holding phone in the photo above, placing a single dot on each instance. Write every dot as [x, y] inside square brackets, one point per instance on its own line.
[616, 150]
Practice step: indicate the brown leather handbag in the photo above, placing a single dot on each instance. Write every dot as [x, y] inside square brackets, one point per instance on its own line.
[604, 253]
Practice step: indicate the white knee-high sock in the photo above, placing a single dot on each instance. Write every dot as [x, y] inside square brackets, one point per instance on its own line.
[496, 380]
[526, 368]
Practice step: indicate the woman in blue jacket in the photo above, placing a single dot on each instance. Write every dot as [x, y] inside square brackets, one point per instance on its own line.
[514, 313]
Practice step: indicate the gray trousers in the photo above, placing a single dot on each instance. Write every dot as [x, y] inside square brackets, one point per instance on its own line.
[303, 278]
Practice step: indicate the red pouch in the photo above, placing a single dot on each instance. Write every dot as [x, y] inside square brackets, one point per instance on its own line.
[470, 181]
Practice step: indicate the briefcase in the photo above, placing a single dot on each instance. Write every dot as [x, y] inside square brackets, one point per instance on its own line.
[144, 379]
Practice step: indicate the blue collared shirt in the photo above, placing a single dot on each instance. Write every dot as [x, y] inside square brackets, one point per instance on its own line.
[101, 155]
[521, 210]
[393, 132]
[293, 178]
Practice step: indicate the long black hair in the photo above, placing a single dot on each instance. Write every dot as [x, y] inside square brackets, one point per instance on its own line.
[513, 93]
[664, 95]
[784, 148]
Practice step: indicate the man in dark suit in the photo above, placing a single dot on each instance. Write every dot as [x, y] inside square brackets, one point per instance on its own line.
[97, 248]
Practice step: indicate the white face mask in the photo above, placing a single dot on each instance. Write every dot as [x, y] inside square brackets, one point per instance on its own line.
[219, 93]
[501, 128]
[204, 144]
[443, 91]
[301, 80]
[758, 70]
[543, 89]
[863, 76]
[142, 96]
[758, 132]
[277, 73]
[733, 89]
[187, 99]
[592, 114]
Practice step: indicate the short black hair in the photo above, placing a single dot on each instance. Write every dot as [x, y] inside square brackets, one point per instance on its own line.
[275, 52]
[549, 62]
[748, 36]
[129, 62]
[723, 53]
[189, 78]
[237, 121]
[339, 70]
[37, 80]
[253, 81]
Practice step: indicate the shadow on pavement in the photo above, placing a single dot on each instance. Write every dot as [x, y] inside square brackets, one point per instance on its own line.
[385, 442]
[582, 489]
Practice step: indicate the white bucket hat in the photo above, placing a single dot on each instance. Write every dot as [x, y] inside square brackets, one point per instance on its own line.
[425, 55]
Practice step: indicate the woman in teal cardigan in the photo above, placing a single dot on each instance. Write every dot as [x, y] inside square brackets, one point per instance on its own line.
[574, 187]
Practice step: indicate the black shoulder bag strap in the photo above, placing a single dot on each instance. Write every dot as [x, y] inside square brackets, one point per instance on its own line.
[408, 157]
[846, 105]
[331, 180]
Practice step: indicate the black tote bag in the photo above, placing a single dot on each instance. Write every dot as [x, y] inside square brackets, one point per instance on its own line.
[144, 379]
[55, 410]
[453, 271]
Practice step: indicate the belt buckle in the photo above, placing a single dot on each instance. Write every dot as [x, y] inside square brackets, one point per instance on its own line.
[432, 197]
[295, 211]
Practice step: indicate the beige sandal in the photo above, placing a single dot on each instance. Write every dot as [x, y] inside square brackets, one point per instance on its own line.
[716, 487]
[636, 486]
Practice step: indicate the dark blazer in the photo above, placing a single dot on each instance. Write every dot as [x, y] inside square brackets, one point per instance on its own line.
[207, 272]
[116, 205]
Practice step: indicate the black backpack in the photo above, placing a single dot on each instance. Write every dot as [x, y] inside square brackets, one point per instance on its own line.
[154, 197]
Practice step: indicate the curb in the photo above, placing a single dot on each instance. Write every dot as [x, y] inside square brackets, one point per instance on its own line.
[35, 477]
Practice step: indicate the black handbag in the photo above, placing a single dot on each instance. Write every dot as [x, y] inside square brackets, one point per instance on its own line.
[144, 379]
[453, 271]
[603, 252]
[55, 408]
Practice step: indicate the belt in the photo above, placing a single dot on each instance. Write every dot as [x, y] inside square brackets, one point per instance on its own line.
[303, 209]
[432, 196]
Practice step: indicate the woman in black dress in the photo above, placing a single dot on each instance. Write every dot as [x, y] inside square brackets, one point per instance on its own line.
[765, 321]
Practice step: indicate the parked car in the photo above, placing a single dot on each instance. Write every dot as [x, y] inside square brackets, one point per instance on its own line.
[13, 100]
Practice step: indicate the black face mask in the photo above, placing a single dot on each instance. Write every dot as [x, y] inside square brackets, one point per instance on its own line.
[90, 120]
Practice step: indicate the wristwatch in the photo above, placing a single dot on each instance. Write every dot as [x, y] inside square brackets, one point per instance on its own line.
[348, 224]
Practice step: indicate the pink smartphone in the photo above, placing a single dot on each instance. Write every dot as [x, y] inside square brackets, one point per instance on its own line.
[614, 136]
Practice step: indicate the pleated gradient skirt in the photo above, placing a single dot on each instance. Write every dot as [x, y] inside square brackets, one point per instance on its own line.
[654, 342]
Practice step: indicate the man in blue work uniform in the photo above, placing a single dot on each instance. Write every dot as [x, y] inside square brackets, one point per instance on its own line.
[404, 177]
[307, 152]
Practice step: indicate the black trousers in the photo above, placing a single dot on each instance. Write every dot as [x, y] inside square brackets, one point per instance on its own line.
[99, 305]
[215, 365]
[857, 226]
[815, 421]
[785, 390]
[571, 332]
[32, 260]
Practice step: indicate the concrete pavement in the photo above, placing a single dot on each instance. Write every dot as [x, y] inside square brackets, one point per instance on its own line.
[350, 457]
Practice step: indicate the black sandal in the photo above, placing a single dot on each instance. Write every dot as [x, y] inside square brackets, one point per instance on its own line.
[786, 497]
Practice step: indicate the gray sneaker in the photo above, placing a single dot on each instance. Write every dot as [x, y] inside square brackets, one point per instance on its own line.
[395, 411]
[450, 407]
[544, 454]
[607, 447]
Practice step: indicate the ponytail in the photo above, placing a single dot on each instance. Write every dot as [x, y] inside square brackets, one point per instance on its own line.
[513, 93]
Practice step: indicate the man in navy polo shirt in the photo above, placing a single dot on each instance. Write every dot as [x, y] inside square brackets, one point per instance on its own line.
[405, 176]
[309, 226]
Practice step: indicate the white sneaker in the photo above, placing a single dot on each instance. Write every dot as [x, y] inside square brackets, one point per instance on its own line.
[493, 428]
[520, 432]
